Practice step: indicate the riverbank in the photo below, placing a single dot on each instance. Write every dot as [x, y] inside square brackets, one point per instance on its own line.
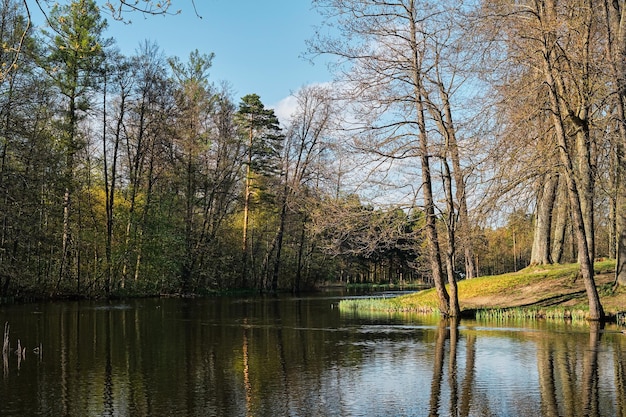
[553, 291]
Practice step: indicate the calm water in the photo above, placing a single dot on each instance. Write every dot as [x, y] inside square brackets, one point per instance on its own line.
[299, 357]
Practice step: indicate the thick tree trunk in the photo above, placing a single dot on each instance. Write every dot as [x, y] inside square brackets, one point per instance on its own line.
[555, 94]
[586, 264]
[434, 250]
[615, 13]
[540, 254]
[586, 181]
[561, 222]
[585, 153]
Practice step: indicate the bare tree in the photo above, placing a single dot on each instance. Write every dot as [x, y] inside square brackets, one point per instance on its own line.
[389, 50]
[303, 153]
[615, 14]
[562, 56]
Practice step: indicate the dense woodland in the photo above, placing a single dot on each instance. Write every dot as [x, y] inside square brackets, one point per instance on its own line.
[459, 139]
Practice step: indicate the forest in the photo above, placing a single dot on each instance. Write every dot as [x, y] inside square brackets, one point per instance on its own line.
[458, 139]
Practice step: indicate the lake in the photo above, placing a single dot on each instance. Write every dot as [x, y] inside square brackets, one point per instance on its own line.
[299, 356]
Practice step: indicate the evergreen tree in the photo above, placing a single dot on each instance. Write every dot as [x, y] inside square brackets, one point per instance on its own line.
[259, 129]
[75, 56]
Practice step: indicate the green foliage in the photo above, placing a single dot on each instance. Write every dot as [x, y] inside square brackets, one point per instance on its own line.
[260, 130]
[77, 48]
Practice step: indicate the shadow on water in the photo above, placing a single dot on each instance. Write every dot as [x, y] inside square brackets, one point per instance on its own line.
[300, 357]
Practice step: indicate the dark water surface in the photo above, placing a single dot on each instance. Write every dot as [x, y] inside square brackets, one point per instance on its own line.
[291, 356]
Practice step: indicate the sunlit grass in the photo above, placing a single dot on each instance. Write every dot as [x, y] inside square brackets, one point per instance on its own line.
[489, 286]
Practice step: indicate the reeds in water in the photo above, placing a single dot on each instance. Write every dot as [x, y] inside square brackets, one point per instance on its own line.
[20, 351]
[554, 314]
[5, 344]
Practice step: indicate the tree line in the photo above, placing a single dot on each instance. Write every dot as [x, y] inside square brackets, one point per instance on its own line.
[493, 133]
[141, 175]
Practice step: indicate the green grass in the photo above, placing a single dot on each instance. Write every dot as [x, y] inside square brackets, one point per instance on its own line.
[497, 285]
[393, 304]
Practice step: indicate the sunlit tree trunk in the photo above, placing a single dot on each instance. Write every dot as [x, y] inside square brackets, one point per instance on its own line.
[424, 149]
[596, 311]
[615, 13]
[259, 129]
[541, 250]
[246, 211]
[561, 222]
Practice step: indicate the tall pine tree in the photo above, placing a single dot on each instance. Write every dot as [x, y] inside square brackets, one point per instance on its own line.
[259, 129]
[75, 56]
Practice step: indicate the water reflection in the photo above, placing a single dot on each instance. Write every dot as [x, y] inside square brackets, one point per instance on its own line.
[300, 357]
[569, 374]
[448, 331]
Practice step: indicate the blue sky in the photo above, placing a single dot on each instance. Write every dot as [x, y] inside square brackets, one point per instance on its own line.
[257, 44]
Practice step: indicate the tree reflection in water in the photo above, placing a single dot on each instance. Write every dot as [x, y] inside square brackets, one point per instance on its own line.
[569, 374]
[448, 330]
[299, 357]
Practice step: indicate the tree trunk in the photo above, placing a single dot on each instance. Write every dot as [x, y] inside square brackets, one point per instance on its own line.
[434, 251]
[555, 85]
[585, 145]
[616, 29]
[464, 225]
[586, 175]
[560, 223]
[246, 213]
[540, 254]
[455, 310]
[614, 184]
[66, 239]
[586, 265]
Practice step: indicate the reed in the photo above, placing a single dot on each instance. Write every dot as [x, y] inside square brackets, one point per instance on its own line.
[5, 344]
[382, 304]
[379, 304]
[530, 313]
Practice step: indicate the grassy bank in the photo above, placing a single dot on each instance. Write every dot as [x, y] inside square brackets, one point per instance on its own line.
[551, 292]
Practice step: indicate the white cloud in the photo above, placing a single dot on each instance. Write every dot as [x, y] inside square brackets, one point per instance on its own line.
[285, 108]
